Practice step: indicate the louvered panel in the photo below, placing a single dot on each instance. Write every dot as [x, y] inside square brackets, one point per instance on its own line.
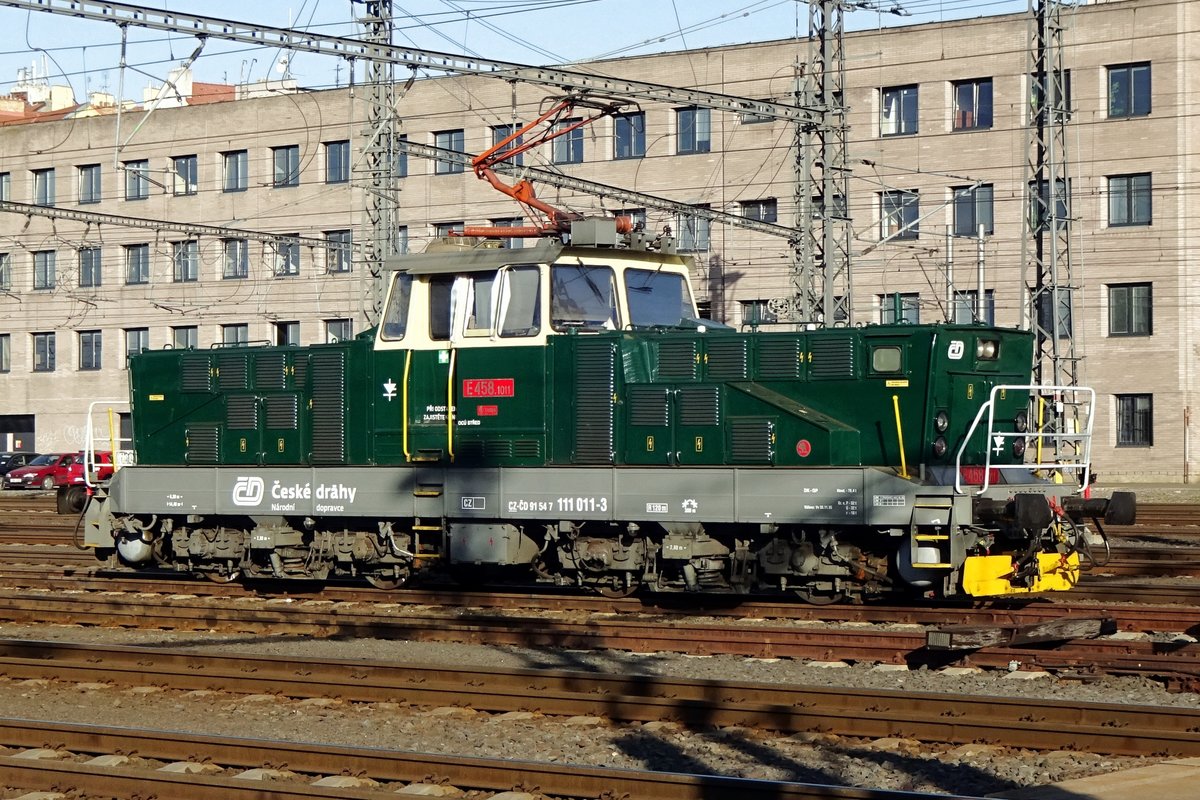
[234, 372]
[832, 357]
[469, 451]
[282, 412]
[299, 370]
[649, 406]
[593, 403]
[195, 374]
[677, 359]
[203, 444]
[497, 449]
[527, 448]
[241, 412]
[329, 407]
[699, 405]
[728, 359]
[779, 358]
[751, 440]
[270, 371]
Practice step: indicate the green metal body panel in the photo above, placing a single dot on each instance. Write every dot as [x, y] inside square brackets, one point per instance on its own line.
[644, 398]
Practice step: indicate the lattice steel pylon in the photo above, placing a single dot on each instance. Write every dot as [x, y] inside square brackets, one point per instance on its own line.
[375, 172]
[1047, 271]
[820, 255]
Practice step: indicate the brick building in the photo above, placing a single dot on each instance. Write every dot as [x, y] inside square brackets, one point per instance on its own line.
[935, 110]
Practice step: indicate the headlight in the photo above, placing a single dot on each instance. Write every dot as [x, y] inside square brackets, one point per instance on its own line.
[987, 349]
[941, 422]
[1021, 422]
[939, 447]
[1018, 447]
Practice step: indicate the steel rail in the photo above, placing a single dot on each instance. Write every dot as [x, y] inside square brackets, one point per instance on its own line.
[494, 775]
[1117, 729]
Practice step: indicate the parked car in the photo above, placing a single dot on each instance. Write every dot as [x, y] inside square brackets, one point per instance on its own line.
[11, 461]
[104, 467]
[44, 472]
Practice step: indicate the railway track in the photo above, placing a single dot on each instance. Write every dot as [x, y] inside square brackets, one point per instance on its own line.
[1037, 724]
[171, 765]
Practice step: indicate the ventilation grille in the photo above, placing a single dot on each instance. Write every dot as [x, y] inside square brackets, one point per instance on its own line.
[649, 405]
[832, 358]
[233, 372]
[699, 405]
[727, 359]
[194, 373]
[299, 371]
[241, 412]
[677, 359]
[329, 407]
[751, 440]
[282, 412]
[779, 359]
[527, 448]
[270, 371]
[593, 403]
[203, 444]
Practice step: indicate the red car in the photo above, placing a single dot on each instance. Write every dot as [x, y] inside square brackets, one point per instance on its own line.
[103, 468]
[44, 472]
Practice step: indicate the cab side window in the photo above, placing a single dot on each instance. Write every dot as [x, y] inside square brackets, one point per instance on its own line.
[584, 297]
[520, 302]
[395, 320]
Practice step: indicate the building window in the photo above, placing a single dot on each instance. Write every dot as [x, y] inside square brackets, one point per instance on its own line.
[694, 233]
[89, 350]
[1039, 204]
[236, 178]
[693, 130]
[186, 256]
[761, 210]
[402, 157]
[137, 263]
[1129, 200]
[5, 352]
[236, 334]
[510, 242]
[137, 340]
[185, 170]
[337, 162]
[338, 330]
[964, 307]
[287, 165]
[89, 266]
[448, 140]
[973, 104]
[567, 148]
[757, 312]
[1129, 90]
[287, 333]
[137, 179]
[184, 337]
[899, 211]
[402, 239]
[337, 251]
[629, 135]
[502, 132]
[909, 307]
[1129, 309]
[5, 271]
[1065, 322]
[443, 229]
[43, 269]
[89, 183]
[43, 187]
[287, 256]
[1135, 420]
[898, 110]
[43, 352]
[1036, 86]
[237, 258]
[5, 186]
[973, 209]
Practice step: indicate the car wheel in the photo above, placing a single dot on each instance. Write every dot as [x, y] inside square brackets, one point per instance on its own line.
[48, 482]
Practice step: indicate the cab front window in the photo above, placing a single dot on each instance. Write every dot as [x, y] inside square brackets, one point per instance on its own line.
[657, 298]
[583, 297]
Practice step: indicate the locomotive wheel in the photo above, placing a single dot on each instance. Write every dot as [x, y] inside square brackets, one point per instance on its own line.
[815, 598]
[223, 577]
[386, 582]
[617, 593]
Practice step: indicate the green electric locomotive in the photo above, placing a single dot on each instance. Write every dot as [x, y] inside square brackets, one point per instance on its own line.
[559, 414]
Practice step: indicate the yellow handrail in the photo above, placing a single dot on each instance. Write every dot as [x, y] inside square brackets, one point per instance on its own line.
[404, 406]
[900, 437]
[450, 406]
